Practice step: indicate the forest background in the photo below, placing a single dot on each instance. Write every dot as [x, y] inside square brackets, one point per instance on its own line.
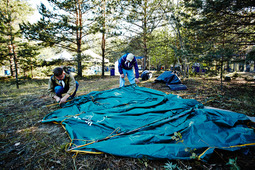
[165, 33]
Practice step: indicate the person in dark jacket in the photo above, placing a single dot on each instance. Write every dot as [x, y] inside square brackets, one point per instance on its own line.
[60, 83]
[126, 64]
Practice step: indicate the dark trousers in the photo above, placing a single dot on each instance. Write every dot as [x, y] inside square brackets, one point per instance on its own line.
[59, 90]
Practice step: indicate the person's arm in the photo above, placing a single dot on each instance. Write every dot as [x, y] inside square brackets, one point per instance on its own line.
[50, 89]
[72, 87]
[136, 72]
[57, 98]
[121, 62]
[120, 66]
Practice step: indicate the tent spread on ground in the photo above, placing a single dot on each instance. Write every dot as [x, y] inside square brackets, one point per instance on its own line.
[171, 80]
[139, 122]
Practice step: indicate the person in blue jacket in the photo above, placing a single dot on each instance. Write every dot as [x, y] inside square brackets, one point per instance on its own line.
[126, 64]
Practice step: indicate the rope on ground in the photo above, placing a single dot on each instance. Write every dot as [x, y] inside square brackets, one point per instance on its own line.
[57, 103]
[131, 131]
[235, 146]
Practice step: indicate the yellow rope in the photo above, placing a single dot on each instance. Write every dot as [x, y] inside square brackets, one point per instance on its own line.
[248, 144]
[187, 94]
[81, 94]
[210, 100]
[75, 155]
[203, 153]
[86, 152]
[93, 142]
[68, 117]
[64, 119]
[117, 129]
[57, 103]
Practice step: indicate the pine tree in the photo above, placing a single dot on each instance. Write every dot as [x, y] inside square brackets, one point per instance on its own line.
[139, 18]
[222, 22]
[27, 54]
[65, 26]
[224, 25]
[12, 13]
[161, 50]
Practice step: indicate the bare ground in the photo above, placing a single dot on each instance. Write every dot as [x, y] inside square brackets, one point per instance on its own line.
[28, 144]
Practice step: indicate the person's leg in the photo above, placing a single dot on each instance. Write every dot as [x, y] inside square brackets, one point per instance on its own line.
[122, 80]
[59, 90]
[74, 93]
[131, 76]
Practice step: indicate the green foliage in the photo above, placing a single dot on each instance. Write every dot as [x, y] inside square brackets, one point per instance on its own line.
[27, 57]
[46, 71]
[161, 50]
[140, 19]
[233, 164]
[3, 54]
[12, 12]
[192, 151]
[212, 73]
[220, 22]
[65, 26]
[43, 144]
[144, 161]
[171, 166]
[178, 138]
[217, 30]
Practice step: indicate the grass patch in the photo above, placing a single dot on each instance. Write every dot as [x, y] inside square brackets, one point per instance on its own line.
[28, 144]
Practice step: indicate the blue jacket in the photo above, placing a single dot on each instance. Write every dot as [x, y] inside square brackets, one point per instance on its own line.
[123, 65]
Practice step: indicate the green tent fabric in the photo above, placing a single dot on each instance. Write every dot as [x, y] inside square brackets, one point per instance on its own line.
[139, 122]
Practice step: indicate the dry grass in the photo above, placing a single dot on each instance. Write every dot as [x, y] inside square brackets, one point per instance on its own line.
[28, 144]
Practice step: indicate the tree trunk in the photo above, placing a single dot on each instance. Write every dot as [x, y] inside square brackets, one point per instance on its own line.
[221, 65]
[31, 68]
[145, 37]
[11, 65]
[15, 62]
[103, 53]
[12, 46]
[221, 74]
[103, 39]
[79, 36]
[12, 68]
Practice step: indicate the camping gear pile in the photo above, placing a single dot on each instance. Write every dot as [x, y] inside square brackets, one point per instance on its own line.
[171, 80]
[146, 75]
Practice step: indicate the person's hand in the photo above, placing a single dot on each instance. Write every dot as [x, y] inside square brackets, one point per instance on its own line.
[57, 98]
[137, 80]
[63, 100]
[122, 75]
